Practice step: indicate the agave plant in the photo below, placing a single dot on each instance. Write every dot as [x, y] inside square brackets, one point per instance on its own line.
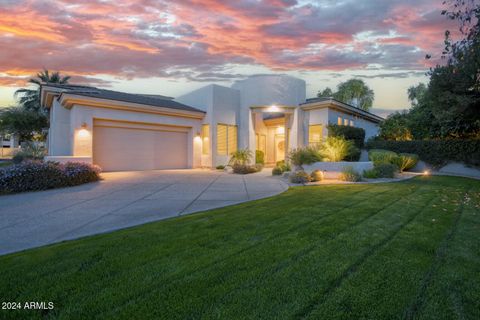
[240, 157]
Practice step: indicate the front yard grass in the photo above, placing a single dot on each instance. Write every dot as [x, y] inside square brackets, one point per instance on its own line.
[408, 250]
[5, 163]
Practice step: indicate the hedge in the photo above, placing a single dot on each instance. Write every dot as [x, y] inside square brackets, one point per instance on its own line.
[39, 175]
[435, 152]
[349, 133]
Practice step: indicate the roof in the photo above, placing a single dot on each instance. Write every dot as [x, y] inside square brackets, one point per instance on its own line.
[145, 99]
[344, 106]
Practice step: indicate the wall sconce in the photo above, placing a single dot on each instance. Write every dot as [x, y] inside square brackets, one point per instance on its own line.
[198, 138]
[83, 132]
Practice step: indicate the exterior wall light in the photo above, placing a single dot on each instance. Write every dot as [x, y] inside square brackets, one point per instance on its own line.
[83, 132]
[273, 108]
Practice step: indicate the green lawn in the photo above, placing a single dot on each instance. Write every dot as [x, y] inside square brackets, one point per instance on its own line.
[408, 250]
[5, 163]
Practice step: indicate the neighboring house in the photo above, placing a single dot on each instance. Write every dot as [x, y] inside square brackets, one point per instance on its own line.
[9, 141]
[122, 131]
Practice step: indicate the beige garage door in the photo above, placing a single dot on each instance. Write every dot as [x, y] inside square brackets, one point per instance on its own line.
[124, 149]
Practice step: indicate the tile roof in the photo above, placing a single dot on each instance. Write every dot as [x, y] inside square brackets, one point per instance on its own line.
[151, 100]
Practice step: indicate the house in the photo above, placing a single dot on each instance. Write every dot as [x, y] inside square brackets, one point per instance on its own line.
[122, 131]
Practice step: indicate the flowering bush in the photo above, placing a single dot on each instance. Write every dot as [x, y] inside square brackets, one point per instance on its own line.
[38, 175]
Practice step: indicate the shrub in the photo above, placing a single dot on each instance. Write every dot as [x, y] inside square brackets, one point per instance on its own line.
[220, 167]
[357, 135]
[386, 170]
[38, 175]
[370, 174]
[30, 151]
[353, 154]
[435, 152]
[245, 168]
[316, 175]
[305, 155]
[349, 174]
[283, 165]
[336, 149]
[277, 171]
[406, 161]
[299, 177]
[259, 157]
[378, 156]
[240, 157]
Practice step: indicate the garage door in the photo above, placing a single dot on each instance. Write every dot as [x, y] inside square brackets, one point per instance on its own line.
[117, 148]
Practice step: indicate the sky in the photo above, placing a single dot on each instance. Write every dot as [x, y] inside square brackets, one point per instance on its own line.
[173, 47]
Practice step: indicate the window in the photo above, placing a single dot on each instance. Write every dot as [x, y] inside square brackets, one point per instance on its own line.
[226, 139]
[232, 139]
[205, 138]
[345, 122]
[339, 121]
[351, 123]
[314, 134]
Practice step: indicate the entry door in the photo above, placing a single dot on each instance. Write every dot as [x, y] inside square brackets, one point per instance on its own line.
[279, 147]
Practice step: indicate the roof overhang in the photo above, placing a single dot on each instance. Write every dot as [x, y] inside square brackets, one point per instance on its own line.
[68, 100]
[343, 107]
[47, 94]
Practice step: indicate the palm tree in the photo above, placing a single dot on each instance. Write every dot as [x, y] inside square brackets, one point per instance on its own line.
[356, 92]
[29, 99]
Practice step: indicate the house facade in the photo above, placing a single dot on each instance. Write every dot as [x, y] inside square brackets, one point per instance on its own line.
[121, 132]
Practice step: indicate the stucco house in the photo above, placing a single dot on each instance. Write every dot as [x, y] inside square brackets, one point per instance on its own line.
[122, 131]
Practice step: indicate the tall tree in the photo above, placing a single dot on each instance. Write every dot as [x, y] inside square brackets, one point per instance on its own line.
[417, 93]
[326, 93]
[454, 88]
[27, 124]
[355, 92]
[30, 98]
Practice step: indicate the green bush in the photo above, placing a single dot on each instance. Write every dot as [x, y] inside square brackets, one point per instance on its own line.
[379, 156]
[277, 171]
[386, 170]
[259, 157]
[435, 152]
[285, 166]
[370, 174]
[357, 135]
[336, 149]
[305, 155]
[39, 175]
[299, 177]
[353, 154]
[406, 161]
[316, 175]
[245, 168]
[349, 174]
[220, 167]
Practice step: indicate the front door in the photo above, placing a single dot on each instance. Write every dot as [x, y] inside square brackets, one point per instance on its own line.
[279, 147]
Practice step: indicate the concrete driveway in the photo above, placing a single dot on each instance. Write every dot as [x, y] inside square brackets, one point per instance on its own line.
[122, 199]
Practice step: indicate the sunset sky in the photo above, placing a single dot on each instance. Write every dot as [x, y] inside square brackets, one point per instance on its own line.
[172, 47]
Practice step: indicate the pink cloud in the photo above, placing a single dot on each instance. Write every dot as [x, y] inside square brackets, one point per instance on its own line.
[127, 38]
